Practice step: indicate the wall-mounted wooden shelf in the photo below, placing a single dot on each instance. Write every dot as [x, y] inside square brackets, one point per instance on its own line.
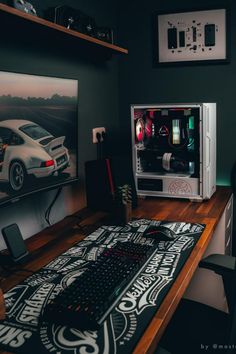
[77, 36]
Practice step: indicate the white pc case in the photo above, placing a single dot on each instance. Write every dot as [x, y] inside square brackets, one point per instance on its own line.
[174, 150]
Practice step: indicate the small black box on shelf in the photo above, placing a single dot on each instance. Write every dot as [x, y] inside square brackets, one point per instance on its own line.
[77, 20]
[71, 18]
[104, 34]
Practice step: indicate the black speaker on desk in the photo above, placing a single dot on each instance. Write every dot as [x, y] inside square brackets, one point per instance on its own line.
[99, 184]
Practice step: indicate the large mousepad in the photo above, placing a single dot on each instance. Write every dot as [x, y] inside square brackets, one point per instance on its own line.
[22, 332]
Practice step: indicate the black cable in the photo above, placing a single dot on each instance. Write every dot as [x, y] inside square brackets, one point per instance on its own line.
[103, 147]
[85, 229]
[97, 151]
[99, 138]
[48, 211]
[74, 216]
[82, 228]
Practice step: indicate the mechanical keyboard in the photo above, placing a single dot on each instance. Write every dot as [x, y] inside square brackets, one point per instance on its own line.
[86, 302]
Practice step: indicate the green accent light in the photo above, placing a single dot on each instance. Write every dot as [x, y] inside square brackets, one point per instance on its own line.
[223, 182]
[191, 122]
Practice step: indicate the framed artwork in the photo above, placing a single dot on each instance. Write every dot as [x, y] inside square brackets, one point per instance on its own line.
[192, 37]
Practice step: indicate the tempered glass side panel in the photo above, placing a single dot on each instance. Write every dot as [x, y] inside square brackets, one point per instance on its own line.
[167, 139]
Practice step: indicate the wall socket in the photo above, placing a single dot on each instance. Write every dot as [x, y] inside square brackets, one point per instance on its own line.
[98, 130]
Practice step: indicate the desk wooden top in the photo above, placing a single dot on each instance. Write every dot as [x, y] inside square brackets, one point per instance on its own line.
[49, 243]
[207, 212]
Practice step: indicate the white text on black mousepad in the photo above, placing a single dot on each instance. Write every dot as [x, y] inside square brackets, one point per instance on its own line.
[21, 331]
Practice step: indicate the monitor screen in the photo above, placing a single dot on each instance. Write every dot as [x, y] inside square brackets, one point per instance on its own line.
[38, 133]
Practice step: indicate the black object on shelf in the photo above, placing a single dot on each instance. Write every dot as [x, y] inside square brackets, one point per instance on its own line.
[77, 20]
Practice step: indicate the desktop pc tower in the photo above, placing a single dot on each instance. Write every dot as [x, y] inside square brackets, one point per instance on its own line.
[174, 150]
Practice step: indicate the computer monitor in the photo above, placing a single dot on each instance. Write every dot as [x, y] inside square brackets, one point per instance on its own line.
[38, 134]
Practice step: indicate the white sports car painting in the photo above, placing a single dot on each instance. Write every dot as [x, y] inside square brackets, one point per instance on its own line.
[27, 149]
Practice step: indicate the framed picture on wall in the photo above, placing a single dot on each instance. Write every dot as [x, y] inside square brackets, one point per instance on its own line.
[192, 37]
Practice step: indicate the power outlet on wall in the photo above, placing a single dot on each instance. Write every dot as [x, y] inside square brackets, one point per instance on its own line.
[100, 131]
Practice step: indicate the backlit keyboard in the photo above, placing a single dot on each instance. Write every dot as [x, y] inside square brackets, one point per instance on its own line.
[86, 302]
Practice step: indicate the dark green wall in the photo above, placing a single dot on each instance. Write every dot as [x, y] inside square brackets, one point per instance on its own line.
[141, 82]
[24, 49]
[107, 88]
[55, 55]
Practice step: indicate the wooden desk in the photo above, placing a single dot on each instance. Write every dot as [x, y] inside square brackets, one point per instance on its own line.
[209, 213]
[52, 241]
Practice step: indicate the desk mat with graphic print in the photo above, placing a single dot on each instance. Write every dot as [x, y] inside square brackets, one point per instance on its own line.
[21, 331]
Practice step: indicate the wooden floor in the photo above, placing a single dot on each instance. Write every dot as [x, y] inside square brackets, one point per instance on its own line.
[51, 242]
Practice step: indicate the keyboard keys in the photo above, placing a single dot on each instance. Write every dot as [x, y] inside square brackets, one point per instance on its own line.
[86, 302]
